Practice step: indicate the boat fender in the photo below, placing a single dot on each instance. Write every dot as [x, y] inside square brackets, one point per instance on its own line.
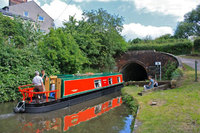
[20, 108]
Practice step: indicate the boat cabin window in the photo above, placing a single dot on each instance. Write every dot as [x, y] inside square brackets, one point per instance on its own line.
[110, 104]
[97, 109]
[118, 100]
[110, 81]
[118, 79]
[97, 83]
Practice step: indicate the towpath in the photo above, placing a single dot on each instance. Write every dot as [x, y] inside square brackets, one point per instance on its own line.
[191, 62]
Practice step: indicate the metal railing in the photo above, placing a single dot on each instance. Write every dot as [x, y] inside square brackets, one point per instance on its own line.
[28, 92]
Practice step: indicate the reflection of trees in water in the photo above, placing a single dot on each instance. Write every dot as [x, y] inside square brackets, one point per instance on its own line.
[31, 123]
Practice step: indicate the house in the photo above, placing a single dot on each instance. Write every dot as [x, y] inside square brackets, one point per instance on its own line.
[33, 11]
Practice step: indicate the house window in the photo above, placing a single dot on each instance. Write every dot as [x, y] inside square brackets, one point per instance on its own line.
[26, 14]
[110, 81]
[118, 79]
[97, 83]
[40, 18]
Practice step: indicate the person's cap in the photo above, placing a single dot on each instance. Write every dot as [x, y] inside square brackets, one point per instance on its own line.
[37, 73]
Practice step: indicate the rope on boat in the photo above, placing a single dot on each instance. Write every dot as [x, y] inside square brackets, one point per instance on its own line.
[20, 108]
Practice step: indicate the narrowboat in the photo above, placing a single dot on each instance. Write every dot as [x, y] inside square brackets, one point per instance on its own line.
[66, 90]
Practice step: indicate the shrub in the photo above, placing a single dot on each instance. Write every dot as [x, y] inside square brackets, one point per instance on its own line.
[168, 70]
[197, 44]
[130, 102]
[177, 74]
[17, 68]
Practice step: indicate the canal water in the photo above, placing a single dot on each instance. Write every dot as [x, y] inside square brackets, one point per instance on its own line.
[101, 115]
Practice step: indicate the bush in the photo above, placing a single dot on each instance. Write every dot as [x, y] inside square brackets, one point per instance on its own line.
[177, 47]
[177, 74]
[17, 68]
[130, 102]
[168, 70]
[197, 44]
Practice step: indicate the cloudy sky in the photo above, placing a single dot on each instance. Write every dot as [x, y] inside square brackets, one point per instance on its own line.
[141, 17]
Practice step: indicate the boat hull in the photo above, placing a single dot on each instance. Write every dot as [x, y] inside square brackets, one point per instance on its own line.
[69, 101]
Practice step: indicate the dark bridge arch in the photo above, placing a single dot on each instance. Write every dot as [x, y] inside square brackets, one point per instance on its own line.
[134, 71]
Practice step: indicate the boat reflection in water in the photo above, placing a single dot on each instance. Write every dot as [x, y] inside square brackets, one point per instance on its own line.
[62, 120]
[84, 115]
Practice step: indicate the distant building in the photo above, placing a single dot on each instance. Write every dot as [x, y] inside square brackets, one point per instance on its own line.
[31, 10]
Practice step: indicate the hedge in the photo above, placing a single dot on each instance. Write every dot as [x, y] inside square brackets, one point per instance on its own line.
[177, 48]
[197, 44]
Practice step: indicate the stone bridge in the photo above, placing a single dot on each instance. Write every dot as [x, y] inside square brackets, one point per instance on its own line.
[137, 65]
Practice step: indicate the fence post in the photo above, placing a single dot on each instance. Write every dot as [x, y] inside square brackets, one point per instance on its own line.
[195, 71]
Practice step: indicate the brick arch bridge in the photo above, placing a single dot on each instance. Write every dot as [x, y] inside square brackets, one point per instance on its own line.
[137, 65]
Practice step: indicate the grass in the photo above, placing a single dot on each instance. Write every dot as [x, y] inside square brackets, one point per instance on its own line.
[177, 110]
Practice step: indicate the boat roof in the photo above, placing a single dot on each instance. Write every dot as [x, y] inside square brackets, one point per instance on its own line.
[84, 76]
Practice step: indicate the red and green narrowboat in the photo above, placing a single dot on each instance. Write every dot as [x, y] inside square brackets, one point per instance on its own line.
[65, 90]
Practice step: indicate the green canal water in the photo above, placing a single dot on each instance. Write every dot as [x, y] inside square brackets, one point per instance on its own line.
[116, 120]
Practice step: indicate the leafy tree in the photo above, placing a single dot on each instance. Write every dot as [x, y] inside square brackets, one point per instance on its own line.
[108, 28]
[62, 51]
[87, 40]
[136, 40]
[19, 56]
[103, 20]
[190, 26]
[18, 31]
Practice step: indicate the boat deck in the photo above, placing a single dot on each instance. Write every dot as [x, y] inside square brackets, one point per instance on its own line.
[50, 99]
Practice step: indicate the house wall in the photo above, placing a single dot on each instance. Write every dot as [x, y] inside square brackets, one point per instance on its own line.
[34, 11]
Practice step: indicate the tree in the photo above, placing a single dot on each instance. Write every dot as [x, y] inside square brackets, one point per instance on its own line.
[136, 40]
[98, 37]
[103, 20]
[108, 28]
[190, 26]
[62, 51]
[19, 57]
[87, 40]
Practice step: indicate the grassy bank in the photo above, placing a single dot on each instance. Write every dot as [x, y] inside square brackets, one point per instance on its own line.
[177, 110]
[132, 104]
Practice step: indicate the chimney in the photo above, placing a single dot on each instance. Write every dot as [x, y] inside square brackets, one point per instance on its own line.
[15, 2]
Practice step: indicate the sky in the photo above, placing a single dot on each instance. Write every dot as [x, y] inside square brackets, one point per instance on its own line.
[142, 18]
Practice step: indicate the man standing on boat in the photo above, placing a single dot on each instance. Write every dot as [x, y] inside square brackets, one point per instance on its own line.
[43, 75]
[39, 86]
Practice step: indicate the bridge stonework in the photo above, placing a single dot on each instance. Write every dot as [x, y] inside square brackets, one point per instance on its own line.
[136, 65]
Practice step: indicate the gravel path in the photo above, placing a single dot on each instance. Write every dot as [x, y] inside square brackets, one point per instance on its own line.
[191, 62]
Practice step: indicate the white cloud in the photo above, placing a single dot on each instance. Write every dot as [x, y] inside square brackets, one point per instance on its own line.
[177, 8]
[167, 7]
[60, 11]
[3, 3]
[134, 30]
[36, 1]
